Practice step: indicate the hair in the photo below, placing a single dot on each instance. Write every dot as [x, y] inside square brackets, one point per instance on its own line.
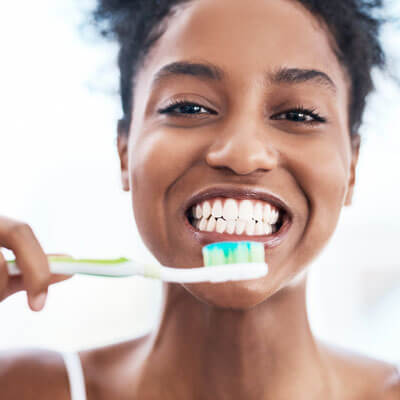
[354, 24]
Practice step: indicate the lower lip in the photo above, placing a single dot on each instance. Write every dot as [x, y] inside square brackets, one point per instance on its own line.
[269, 241]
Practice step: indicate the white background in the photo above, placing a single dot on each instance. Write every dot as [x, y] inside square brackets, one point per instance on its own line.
[59, 172]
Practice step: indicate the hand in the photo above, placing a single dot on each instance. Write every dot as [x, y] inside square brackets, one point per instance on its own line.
[32, 261]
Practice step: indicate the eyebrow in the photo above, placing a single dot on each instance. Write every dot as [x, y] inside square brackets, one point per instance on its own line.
[211, 72]
[298, 75]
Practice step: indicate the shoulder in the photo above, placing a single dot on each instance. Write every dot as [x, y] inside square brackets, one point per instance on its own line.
[363, 377]
[110, 370]
[33, 374]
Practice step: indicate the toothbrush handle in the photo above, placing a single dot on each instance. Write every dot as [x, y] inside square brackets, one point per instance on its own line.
[55, 268]
[13, 269]
[68, 268]
[221, 273]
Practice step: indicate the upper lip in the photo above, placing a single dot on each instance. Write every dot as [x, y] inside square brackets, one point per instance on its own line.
[251, 193]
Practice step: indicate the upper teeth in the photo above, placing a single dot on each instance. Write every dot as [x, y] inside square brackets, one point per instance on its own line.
[252, 216]
[233, 209]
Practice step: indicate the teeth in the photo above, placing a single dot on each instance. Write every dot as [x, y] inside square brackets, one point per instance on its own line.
[249, 217]
[267, 228]
[237, 227]
[266, 210]
[217, 209]
[246, 210]
[197, 211]
[274, 217]
[240, 226]
[206, 209]
[267, 213]
[203, 224]
[230, 226]
[230, 209]
[221, 225]
[250, 227]
[260, 229]
[211, 224]
[258, 211]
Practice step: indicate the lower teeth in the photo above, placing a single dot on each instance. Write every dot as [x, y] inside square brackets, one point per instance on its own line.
[240, 227]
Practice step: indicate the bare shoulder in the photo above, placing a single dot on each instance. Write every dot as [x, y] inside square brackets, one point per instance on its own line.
[110, 370]
[33, 374]
[363, 377]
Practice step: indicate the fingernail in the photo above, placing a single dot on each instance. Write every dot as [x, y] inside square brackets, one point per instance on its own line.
[39, 300]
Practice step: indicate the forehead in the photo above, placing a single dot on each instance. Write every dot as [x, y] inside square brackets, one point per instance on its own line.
[246, 38]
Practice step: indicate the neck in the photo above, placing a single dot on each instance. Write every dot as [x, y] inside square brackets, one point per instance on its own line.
[265, 352]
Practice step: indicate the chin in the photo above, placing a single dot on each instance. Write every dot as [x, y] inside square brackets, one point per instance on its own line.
[244, 295]
[240, 295]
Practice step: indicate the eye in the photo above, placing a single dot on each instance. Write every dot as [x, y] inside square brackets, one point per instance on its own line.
[186, 108]
[302, 115]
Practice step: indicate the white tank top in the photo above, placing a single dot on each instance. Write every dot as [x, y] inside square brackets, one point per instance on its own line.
[75, 375]
[77, 379]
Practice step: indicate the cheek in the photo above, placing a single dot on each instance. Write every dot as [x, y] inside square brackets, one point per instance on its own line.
[322, 175]
[157, 160]
[161, 156]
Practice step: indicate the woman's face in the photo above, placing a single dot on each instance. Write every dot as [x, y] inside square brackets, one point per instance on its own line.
[241, 134]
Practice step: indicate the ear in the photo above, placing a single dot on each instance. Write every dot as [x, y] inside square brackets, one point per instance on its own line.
[355, 150]
[122, 144]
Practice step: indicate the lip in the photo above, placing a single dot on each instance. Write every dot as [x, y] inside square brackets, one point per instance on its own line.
[251, 193]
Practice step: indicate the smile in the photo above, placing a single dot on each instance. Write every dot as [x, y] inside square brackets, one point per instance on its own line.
[254, 217]
[219, 218]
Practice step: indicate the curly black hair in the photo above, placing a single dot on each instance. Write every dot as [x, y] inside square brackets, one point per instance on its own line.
[355, 25]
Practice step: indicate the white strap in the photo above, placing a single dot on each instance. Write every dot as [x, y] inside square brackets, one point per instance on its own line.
[75, 375]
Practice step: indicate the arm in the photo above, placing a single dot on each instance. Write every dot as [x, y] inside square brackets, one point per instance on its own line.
[27, 374]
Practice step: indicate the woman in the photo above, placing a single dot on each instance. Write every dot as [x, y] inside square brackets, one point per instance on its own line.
[225, 100]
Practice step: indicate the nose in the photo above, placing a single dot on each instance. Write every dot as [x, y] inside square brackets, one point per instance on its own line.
[243, 152]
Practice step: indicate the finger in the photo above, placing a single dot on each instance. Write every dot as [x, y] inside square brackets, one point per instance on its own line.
[15, 284]
[30, 257]
[55, 278]
[3, 276]
[59, 277]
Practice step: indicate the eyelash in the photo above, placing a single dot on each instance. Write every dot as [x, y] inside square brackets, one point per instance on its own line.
[298, 109]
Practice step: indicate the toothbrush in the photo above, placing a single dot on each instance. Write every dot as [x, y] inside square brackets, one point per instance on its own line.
[223, 261]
